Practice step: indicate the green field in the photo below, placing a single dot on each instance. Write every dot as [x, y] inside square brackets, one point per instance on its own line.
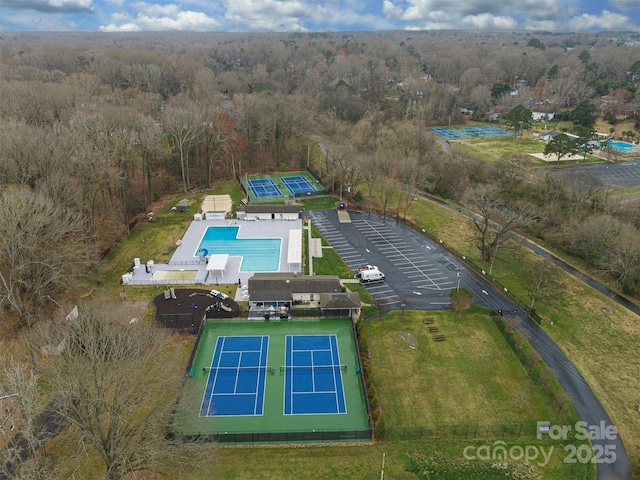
[473, 378]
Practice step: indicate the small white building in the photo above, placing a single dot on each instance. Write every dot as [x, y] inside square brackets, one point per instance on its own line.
[542, 115]
[549, 135]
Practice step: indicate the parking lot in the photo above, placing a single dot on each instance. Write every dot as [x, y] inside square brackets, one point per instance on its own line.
[418, 273]
[613, 175]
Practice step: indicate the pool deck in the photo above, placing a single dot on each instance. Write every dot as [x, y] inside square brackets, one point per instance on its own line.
[185, 256]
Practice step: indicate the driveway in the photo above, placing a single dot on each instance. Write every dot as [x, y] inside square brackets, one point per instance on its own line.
[420, 274]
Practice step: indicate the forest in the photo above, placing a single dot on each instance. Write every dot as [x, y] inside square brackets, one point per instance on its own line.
[97, 127]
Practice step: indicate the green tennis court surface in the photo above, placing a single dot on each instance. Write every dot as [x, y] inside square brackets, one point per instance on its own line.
[261, 398]
[280, 186]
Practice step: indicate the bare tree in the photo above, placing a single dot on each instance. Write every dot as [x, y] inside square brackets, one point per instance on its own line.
[182, 126]
[623, 258]
[221, 142]
[461, 299]
[540, 282]
[495, 220]
[387, 186]
[20, 408]
[116, 388]
[591, 238]
[410, 174]
[148, 133]
[42, 251]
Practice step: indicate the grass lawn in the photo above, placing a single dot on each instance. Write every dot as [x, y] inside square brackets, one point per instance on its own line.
[472, 378]
[491, 149]
[331, 264]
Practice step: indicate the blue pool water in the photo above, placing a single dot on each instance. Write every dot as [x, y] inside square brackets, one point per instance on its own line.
[258, 254]
[621, 146]
[616, 145]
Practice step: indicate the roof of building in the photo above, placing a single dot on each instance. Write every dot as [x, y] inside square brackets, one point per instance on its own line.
[339, 300]
[269, 209]
[282, 285]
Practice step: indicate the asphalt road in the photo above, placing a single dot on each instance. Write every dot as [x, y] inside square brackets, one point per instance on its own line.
[420, 274]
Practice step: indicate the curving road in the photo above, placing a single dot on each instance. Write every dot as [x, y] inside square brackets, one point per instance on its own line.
[420, 274]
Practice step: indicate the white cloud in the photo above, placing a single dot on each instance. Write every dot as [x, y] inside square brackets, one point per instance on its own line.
[606, 21]
[488, 21]
[127, 27]
[153, 17]
[625, 4]
[272, 14]
[50, 6]
[193, 21]
[155, 10]
[484, 14]
[391, 11]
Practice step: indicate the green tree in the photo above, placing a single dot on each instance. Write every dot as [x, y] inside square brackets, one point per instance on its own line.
[498, 90]
[584, 140]
[562, 145]
[519, 119]
[585, 56]
[536, 43]
[585, 114]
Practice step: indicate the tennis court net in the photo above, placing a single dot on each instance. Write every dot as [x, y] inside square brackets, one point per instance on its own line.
[312, 368]
[240, 369]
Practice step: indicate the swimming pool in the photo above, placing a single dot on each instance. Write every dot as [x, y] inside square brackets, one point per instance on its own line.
[617, 145]
[621, 146]
[258, 254]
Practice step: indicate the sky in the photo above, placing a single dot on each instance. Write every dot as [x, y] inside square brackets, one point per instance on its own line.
[322, 15]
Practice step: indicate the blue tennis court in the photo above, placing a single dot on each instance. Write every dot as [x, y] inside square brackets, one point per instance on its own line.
[265, 187]
[485, 131]
[298, 184]
[457, 133]
[313, 376]
[237, 376]
[450, 133]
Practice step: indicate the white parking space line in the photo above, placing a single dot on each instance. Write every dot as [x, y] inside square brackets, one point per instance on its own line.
[402, 258]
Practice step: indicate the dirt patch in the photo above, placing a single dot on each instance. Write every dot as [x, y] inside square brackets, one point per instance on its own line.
[401, 341]
[552, 157]
[608, 311]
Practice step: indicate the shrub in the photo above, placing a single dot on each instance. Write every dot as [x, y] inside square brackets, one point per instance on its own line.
[518, 340]
[546, 376]
[532, 357]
